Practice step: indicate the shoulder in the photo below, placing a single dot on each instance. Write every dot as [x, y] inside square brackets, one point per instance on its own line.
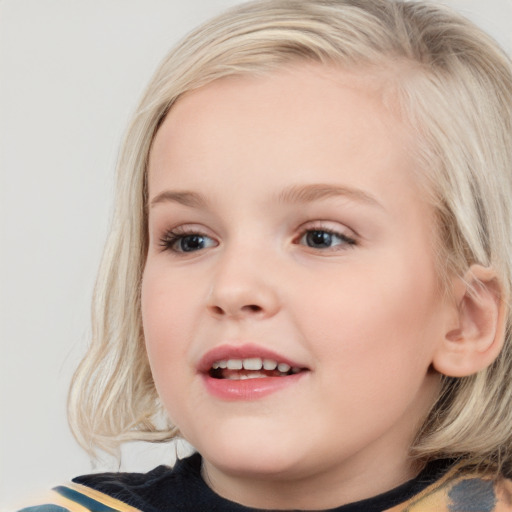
[123, 492]
[163, 488]
[163, 485]
[487, 494]
[463, 491]
[73, 497]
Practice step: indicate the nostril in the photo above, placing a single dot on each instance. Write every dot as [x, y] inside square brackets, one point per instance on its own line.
[217, 310]
[253, 308]
[235, 310]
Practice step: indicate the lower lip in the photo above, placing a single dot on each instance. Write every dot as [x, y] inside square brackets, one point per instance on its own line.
[248, 389]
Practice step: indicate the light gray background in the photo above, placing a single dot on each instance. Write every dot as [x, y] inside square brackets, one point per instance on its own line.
[71, 72]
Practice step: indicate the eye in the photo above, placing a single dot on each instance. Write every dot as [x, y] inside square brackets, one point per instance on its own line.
[182, 241]
[325, 239]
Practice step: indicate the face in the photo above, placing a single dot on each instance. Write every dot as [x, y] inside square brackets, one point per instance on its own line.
[286, 229]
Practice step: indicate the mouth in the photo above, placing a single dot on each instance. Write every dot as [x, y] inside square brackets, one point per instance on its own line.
[251, 368]
[247, 372]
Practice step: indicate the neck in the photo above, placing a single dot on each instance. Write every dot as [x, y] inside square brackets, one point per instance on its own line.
[328, 488]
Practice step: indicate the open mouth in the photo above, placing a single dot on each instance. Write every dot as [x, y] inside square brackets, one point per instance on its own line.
[251, 368]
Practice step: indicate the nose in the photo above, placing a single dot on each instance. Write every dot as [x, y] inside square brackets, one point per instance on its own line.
[243, 287]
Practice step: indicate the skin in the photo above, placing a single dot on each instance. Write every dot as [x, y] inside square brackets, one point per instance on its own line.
[366, 318]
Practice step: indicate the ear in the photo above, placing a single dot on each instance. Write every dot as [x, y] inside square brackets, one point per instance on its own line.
[476, 334]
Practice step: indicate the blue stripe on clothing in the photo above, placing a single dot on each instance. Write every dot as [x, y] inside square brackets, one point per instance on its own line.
[83, 500]
[44, 508]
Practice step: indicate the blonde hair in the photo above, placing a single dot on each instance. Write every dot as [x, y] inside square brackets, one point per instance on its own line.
[454, 87]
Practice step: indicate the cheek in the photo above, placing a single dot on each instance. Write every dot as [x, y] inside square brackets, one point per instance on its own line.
[163, 319]
[165, 303]
[375, 318]
[375, 345]
[168, 324]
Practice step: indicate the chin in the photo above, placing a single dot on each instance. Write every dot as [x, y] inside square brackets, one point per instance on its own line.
[251, 452]
[260, 464]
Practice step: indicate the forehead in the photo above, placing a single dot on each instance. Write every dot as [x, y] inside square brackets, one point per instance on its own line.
[296, 110]
[299, 81]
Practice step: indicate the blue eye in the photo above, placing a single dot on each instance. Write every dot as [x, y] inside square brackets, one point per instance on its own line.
[186, 242]
[190, 243]
[324, 239]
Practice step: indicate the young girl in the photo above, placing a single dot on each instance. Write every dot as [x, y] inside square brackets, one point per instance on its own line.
[309, 270]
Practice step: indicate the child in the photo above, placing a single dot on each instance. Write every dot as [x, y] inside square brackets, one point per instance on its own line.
[309, 269]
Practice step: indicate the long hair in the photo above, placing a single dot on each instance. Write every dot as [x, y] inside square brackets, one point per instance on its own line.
[453, 86]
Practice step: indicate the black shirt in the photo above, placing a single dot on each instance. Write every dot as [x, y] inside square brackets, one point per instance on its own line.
[182, 488]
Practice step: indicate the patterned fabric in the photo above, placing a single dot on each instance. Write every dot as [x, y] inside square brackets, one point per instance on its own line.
[466, 493]
[451, 493]
[79, 498]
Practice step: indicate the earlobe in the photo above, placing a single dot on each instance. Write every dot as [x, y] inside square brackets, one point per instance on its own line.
[477, 338]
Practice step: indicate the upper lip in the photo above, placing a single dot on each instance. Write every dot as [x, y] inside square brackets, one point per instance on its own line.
[246, 351]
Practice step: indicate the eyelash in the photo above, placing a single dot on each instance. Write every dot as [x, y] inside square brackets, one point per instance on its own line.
[346, 241]
[172, 237]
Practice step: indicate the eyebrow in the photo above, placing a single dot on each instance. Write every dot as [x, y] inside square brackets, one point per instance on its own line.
[296, 194]
[186, 198]
[310, 193]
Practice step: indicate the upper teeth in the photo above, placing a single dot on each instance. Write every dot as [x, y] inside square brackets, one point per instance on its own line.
[251, 363]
